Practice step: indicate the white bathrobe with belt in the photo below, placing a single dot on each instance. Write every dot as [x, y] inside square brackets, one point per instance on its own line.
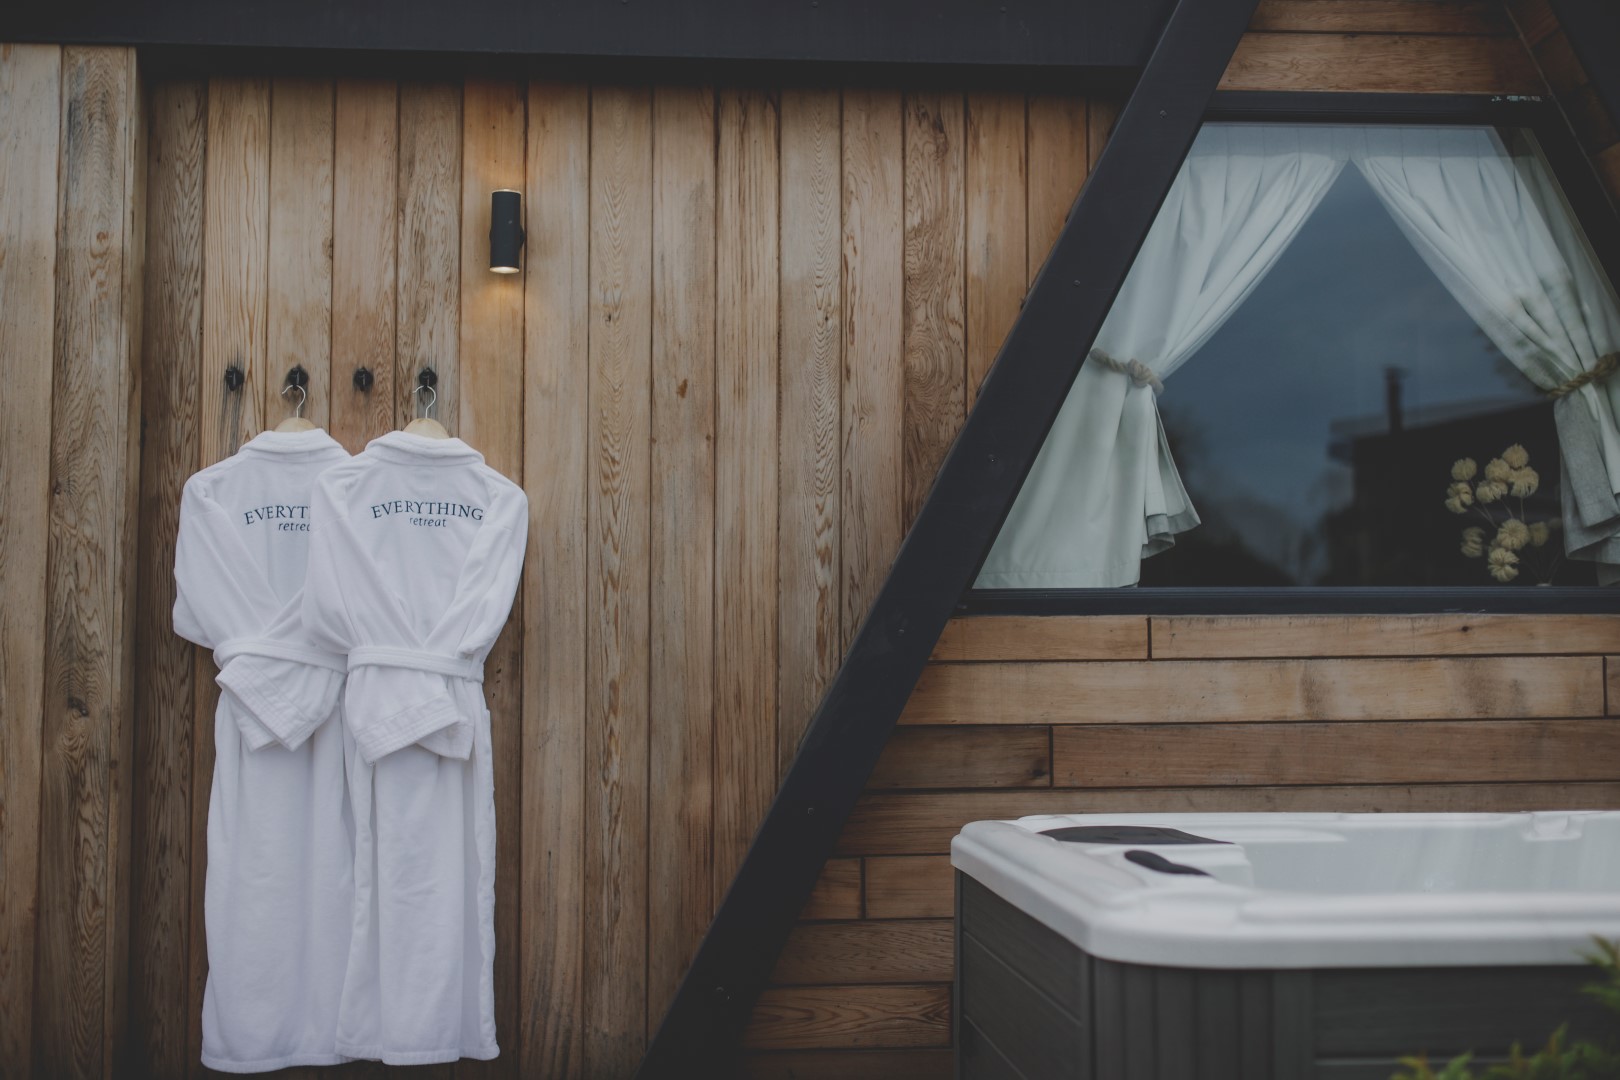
[280, 889]
[414, 563]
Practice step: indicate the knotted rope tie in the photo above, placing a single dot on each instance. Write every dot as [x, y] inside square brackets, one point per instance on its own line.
[1139, 373]
[1606, 366]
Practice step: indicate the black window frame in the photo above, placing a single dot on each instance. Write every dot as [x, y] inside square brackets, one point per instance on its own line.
[1596, 216]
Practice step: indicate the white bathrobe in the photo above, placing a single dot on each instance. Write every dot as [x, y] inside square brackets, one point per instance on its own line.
[414, 563]
[280, 888]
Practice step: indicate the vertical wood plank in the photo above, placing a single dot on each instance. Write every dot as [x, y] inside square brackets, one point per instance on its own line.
[30, 143]
[808, 523]
[235, 267]
[490, 387]
[556, 333]
[81, 960]
[616, 702]
[745, 474]
[681, 687]
[164, 674]
[874, 374]
[430, 247]
[935, 349]
[1058, 156]
[364, 251]
[1100, 116]
[299, 328]
[996, 225]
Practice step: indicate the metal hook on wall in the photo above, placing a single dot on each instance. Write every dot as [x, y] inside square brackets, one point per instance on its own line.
[427, 379]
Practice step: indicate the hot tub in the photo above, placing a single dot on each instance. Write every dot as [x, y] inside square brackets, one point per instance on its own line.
[1274, 946]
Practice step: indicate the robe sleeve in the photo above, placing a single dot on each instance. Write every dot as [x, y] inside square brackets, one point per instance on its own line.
[274, 686]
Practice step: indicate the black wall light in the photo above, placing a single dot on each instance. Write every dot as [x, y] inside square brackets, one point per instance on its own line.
[505, 230]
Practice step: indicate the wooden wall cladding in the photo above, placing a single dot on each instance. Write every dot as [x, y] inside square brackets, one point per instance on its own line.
[750, 325]
[1598, 132]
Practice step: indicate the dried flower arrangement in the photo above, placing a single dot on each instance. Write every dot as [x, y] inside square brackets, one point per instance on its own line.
[1513, 536]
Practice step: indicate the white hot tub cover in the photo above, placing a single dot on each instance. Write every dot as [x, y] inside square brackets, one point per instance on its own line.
[1310, 890]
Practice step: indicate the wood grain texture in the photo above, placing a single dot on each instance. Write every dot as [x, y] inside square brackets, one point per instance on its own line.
[746, 481]
[236, 252]
[964, 757]
[1192, 691]
[81, 949]
[837, 894]
[434, 237]
[1611, 694]
[874, 374]
[809, 521]
[235, 299]
[923, 824]
[555, 592]
[165, 690]
[488, 382]
[1534, 18]
[1466, 17]
[1058, 133]
[813, 1017]
[898, 951]
[849, 1065]
[1190, 637]
[995, 224]
[910, 887]
[1444, 751]
[1381, 63]
[618, 499]
[681, 607]
[1044, 637]
[30, 144]
[1559, 65]
[299, 316]
[934, 346]
[364, 257]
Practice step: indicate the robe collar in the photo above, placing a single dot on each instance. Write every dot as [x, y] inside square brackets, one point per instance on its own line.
[404, 447]
[313, 441]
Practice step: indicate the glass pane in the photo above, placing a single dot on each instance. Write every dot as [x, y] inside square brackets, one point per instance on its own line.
[1335, 316]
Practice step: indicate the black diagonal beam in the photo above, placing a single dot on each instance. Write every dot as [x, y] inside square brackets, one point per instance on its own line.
[1593, 29]
[942, 552]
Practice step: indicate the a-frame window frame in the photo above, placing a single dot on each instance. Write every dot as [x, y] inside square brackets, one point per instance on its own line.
[1595, 215]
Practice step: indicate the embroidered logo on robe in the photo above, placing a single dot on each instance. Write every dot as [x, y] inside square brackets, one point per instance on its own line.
[284, 517]
[427, 513]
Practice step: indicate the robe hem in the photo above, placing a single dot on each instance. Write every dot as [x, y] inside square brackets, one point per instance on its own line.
[420, 1057]
[231, 1065]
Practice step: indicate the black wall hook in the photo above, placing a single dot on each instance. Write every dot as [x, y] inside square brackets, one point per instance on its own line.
[234, 378]
[363, 378]
[427, 377]
[298, 377]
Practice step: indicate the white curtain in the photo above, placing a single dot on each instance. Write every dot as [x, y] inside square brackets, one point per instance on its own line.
[1491, 223]
[1103, 492]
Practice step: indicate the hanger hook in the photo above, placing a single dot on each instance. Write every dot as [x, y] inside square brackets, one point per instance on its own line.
[428, 410]
[303, 396]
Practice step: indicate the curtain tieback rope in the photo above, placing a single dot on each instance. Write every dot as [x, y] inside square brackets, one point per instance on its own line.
[1139, 373]
[1606, 366]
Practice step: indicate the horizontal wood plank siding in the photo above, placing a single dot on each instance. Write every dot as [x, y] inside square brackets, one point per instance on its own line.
[1235, 691]
[1022, 637]
[943, 757]
[1196, 637]
[1434, 752]
[1381, 63]
[897, 951]
[909, 886]
[813, 1017]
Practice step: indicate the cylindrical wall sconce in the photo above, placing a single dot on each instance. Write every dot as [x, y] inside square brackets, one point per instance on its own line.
[505, 231]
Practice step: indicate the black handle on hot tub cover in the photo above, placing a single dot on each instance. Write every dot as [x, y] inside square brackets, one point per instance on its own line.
[1154, 861]
[1143, 835]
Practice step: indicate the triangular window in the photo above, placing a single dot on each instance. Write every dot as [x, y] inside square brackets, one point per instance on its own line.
[1346, 355]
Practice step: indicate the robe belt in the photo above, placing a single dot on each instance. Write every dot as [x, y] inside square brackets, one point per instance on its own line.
[417, 660]
[278, 650]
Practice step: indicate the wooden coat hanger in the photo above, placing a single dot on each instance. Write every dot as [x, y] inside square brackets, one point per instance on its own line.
[296, 421]
[425, 425]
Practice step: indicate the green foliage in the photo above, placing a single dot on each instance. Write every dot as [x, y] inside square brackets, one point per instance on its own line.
[1555, 1061]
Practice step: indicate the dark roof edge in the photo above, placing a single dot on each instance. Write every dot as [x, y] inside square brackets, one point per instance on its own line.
[1052, 34]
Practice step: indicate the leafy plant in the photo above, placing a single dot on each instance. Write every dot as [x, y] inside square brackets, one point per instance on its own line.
[1555, 1061]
